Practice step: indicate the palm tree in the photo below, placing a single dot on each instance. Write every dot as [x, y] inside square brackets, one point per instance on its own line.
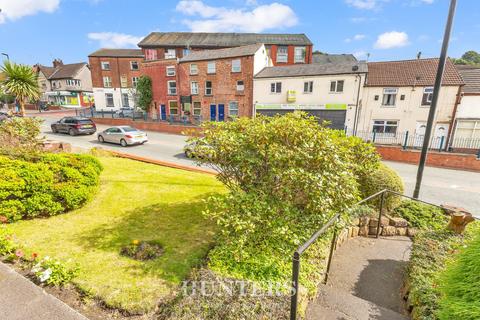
[21, 81]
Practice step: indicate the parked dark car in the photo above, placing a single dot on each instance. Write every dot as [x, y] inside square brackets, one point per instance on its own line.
[74, 126]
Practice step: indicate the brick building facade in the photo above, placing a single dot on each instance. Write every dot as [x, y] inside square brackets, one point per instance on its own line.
[114, 74]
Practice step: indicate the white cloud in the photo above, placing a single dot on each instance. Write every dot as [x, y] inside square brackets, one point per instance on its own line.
[217, 19]
[356, 37]
[428, 1]
[392, 39]
[366, 4]
[16, 9]
[114, 40]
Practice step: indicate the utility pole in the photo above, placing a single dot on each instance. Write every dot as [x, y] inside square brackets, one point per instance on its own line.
[436, 93]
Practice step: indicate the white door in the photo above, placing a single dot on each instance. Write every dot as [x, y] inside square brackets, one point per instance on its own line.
[440, 136]
[419, 133]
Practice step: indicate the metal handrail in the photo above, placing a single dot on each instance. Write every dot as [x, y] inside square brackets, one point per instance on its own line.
[301, 249]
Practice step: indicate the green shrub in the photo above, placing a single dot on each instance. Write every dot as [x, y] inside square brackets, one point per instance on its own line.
[287, 175]
[53, 184]
[382, 178]
[53, 272]
[7, 245]
[460, 285]
[422, 216]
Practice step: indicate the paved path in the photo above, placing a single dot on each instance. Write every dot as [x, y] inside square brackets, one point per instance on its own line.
[365, 281]
[20, 299]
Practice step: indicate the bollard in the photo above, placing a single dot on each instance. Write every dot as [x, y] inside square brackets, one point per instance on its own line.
[374, 135]
[441, 143]
[405, 142]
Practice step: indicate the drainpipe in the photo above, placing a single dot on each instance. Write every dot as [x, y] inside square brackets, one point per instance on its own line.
[355, 119]
[454, 116]
[120, 82]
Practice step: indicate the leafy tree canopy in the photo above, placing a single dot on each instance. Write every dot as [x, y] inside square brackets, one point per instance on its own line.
[144, 92]
[468, 58]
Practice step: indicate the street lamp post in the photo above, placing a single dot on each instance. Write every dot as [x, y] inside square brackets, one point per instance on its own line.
[436, 93]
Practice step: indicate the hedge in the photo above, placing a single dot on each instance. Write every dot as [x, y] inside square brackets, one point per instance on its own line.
[52, 184]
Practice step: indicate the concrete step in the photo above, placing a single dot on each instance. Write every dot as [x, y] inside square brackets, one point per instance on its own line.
[336, 304]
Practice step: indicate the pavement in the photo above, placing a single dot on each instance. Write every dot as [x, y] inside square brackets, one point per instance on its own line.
[21, 299]
[365, 281]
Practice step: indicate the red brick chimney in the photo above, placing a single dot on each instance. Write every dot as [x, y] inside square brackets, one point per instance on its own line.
[57, 63]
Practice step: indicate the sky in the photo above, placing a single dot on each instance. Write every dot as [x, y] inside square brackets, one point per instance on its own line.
[37, 31]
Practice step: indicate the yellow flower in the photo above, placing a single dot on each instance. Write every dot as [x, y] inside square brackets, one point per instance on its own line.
[135, 242]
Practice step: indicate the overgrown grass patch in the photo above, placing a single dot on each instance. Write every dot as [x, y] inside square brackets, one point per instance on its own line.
[136, 201]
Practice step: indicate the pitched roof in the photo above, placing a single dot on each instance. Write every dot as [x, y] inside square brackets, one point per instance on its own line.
[300, 70]
[47, 71]
[471, 76]
[319, 57]
[222, 53]
[404, 73]
[215, 40]
[67, 70]
[104, 52]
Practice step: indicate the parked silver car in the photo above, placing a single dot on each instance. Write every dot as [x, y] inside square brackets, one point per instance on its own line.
[123, 135]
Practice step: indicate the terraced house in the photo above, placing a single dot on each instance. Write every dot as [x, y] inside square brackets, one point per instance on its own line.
[163, 52]
[114, 76]
[397, 97]
[66, 85]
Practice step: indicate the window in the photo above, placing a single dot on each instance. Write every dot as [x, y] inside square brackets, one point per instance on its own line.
[170, 71]
[389, 96]
[134, 65]
[336, 86]
[233, 108]
[123, 81]
[282, 54]
[194, 87]
[308, 87]
[109, 99]
[387, 127]
[208, 88]
[125, 101]
[186, 52]
[193, 69]
[236, 65]
[73, 82]
[276, 87]
[427, 96]
[173, 105]
[197, 108]
[467, 129]
[240, 86]
[211, 67]
[105, 65]
[170, 54]
[299, 55]
[134, 81]
[186, 107]
[150, 54]
[172, 87]
[107, 82]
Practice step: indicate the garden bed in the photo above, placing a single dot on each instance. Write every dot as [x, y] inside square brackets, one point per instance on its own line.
[136, 201]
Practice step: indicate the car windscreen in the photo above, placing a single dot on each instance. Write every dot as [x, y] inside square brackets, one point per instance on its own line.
[84, 121]
[129, 129]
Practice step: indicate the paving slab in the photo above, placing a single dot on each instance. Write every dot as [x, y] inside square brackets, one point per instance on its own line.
[20, 299]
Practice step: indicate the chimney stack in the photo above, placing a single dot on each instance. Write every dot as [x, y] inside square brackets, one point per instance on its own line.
[57, 63]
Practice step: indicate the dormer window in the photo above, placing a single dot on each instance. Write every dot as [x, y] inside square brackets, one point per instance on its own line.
[170, 54]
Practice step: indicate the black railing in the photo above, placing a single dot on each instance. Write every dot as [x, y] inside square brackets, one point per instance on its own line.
[301, 249]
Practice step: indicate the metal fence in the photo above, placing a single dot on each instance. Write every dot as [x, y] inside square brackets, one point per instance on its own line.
[409, 140]
[142, 116]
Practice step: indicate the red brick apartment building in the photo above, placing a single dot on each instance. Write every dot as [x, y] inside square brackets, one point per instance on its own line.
[166, 56]
[114, 75]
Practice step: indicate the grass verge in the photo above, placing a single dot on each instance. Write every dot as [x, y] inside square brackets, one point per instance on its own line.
[136, 201]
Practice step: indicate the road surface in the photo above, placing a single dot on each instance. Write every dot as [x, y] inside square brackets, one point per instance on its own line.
[440, 186]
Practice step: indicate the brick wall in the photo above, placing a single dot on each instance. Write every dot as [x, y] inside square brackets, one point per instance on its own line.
[434, 159]
[224, 83]
[150, 126]
[119, 66]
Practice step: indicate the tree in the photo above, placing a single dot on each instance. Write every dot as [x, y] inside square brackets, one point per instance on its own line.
[468, 58]
[144, 92]
[21, 81]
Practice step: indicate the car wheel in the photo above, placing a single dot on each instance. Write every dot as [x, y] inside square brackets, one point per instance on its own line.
[54, 130]
[71, 132]
[123, 143]
[100, 139]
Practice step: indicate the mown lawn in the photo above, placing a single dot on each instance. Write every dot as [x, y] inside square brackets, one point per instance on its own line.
[135, 201]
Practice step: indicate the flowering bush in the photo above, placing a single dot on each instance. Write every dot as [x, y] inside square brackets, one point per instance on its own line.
[53, 272]
[7, 245]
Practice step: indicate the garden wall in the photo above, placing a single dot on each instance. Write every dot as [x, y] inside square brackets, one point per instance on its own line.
[434, 159]
[143, 125]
